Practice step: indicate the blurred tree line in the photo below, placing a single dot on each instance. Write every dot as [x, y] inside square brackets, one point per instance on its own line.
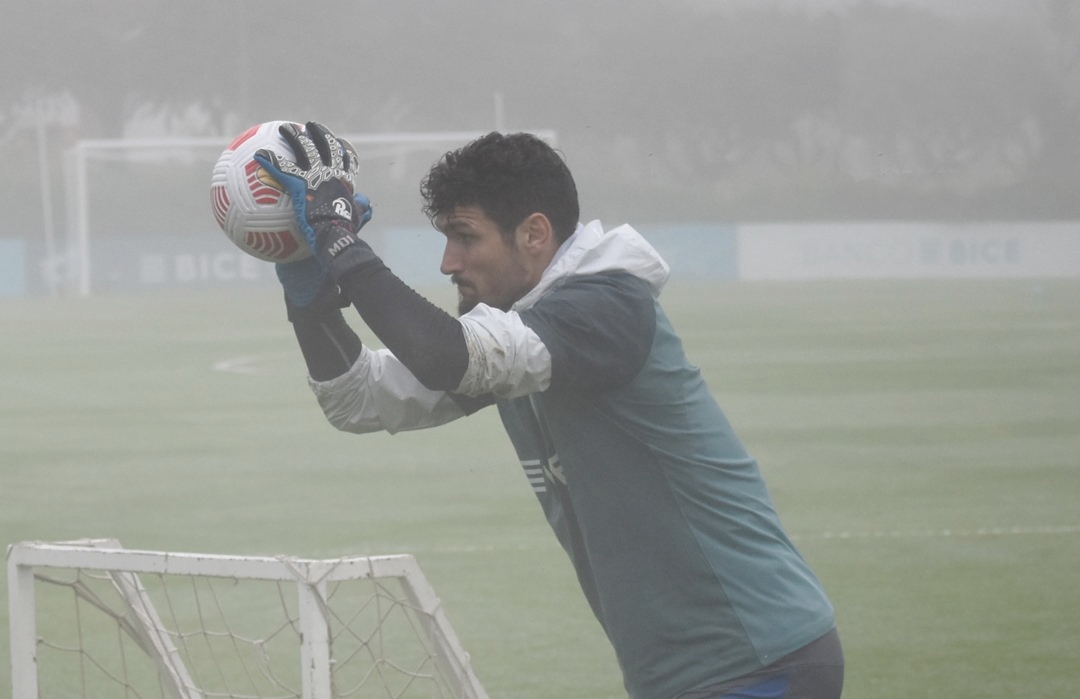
[688, 110]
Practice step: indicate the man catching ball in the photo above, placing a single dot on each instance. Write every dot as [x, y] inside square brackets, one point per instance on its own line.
[663, 513]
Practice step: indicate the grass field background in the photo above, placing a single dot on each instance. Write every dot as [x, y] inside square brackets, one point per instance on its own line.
[921, 440]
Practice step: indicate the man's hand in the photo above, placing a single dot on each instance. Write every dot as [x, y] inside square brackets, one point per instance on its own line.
[320, 184]
[306, 281]
[302, 280]
[361, 210]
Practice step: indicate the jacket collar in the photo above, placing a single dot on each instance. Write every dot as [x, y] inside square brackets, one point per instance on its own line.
[591, 250]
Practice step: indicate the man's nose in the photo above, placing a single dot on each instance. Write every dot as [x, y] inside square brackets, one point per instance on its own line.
[451, 262]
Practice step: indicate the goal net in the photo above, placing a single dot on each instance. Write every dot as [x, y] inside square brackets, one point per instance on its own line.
[91, 619]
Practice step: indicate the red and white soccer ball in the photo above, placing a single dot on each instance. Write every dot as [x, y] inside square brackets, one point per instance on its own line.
[250, 206]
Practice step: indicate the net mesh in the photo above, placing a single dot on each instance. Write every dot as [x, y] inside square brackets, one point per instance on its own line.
[115, 634]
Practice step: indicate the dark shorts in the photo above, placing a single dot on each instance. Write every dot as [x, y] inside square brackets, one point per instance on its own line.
[815, 671]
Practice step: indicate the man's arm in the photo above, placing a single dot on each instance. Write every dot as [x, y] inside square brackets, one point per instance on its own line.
[327, 342]
[364, 390]
[432, 344]
[425, 338]
[378, 393]
[320, 186]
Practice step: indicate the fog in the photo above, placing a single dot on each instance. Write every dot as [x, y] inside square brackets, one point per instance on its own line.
[687, 111]
[920, 438]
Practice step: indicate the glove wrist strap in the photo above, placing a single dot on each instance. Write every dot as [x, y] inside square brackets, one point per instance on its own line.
[341, 249]
[326, 304]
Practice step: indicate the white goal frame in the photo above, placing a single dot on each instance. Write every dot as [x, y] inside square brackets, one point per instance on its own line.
[77, 159]
[310, 577]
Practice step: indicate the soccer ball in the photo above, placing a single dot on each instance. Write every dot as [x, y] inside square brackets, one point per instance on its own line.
[250, 206]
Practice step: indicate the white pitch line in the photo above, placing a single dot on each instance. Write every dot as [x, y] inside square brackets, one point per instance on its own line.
[252, 363]
[943, 533]
[822, 536]
[238, 365]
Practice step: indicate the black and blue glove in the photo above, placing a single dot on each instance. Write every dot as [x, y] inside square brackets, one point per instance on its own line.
[320, 185]
[305, 280]
[419, 333]
[302, 280]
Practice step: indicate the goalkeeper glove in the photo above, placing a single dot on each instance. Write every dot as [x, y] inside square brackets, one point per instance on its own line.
[306, 281]
[320, 185]
[301, 280]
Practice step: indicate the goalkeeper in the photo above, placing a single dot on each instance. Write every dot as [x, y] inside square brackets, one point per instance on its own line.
[663, 513]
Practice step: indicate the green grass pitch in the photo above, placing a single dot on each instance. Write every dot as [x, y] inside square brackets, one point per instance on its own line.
[921, 440]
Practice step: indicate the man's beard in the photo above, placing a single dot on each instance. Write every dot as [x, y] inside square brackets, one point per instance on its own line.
[464, 304]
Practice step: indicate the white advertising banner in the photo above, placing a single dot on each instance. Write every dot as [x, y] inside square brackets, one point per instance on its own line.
[888, 250]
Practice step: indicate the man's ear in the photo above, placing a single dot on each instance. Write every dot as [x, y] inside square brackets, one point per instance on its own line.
[535, 233]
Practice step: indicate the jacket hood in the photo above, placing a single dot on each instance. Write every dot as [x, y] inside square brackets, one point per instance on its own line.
[591, 250]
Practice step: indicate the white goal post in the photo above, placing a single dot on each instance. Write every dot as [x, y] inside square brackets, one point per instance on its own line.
[91, 619]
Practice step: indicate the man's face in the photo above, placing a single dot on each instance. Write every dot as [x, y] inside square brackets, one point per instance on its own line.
[480, 263]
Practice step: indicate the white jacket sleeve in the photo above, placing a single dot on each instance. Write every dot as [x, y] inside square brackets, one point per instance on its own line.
[506, 357]
[379, 394]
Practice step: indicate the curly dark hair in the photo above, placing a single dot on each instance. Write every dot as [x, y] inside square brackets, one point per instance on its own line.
[510, 177]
